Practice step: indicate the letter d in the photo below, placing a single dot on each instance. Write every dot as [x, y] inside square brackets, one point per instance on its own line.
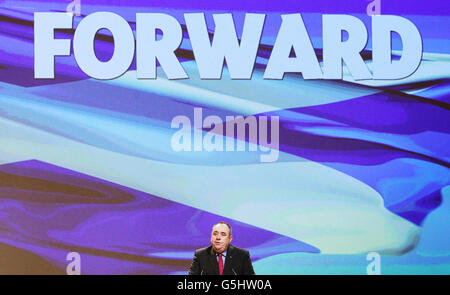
[383, 66]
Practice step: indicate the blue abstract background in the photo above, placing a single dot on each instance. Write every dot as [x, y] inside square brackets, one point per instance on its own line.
[86, 165]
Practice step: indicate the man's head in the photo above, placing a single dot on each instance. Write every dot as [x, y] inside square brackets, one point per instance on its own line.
[221, 237]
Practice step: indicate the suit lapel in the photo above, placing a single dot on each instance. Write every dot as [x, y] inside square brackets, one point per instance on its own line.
[212, 260]
[227, 269]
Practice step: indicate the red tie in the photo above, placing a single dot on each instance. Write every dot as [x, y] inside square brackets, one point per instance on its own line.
[220, 264]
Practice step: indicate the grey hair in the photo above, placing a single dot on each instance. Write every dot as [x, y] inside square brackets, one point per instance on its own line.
[222, 222]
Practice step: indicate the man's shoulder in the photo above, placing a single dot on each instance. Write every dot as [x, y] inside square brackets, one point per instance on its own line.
[205, 250]
[237, 251]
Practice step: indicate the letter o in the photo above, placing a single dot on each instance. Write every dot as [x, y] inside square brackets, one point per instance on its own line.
[83, 45]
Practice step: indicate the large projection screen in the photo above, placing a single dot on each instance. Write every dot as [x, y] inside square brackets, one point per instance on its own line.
[318, 166]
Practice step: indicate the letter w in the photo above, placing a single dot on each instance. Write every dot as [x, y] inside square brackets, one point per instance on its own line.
[240, 56]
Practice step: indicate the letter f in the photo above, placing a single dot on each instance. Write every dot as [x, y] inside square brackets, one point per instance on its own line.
[45, 46]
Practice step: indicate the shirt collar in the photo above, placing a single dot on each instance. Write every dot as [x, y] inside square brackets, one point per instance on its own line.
[224, 253]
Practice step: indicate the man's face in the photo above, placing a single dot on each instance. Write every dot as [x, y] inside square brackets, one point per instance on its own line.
[220, 237]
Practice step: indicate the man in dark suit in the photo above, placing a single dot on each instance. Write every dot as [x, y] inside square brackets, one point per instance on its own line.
[221, 258]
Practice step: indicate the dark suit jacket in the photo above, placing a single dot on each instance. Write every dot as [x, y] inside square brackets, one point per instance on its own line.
[237, 262]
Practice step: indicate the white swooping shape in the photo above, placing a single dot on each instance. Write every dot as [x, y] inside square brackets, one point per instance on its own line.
[245, 96]
[303, 200]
